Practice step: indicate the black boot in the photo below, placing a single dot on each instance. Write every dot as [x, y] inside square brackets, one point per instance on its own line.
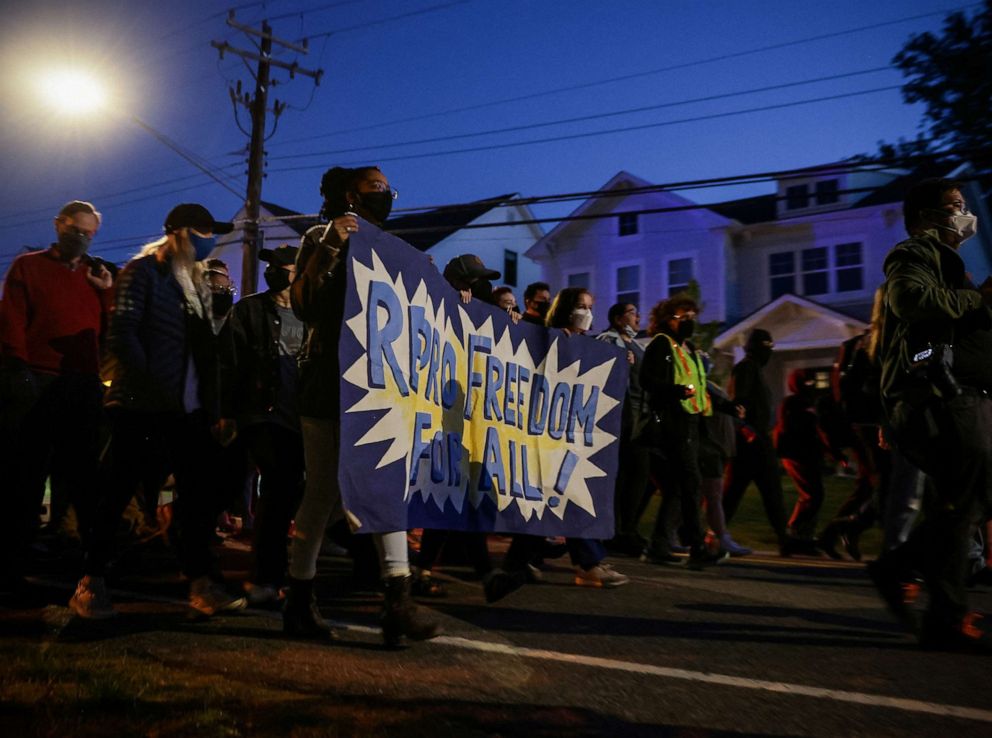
[301, 618]
[401, 617]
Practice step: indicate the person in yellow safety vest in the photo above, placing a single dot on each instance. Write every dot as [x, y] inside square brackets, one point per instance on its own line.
[674, 382]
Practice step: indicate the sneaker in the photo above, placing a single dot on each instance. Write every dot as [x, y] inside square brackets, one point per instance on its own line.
[654, 556]
[497, 584]
[968, 636]
[425, 585]
[207, 597]
[91, 599]
[261, 595]
[599, 576]
[533, 574]
[732, 547]
[898, 595]
[702, 558]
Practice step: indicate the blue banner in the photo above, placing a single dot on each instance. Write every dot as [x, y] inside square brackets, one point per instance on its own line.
[455, 418]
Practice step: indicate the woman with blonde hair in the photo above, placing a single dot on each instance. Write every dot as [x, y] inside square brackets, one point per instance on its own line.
[165, 363]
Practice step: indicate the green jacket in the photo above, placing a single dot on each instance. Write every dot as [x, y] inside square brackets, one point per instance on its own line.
[926, 291]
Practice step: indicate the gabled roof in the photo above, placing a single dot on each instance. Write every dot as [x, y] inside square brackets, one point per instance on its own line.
[424, 230]
[748, 210]
[290, 217]
[795, 323]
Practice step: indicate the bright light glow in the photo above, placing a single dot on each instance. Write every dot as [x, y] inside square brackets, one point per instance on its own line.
[72, 92]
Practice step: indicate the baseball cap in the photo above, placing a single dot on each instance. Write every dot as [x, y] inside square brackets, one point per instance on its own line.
[195, 216]
[466, 268]
[280, 256]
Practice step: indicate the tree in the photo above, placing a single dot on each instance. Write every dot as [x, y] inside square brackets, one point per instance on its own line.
[951, 75]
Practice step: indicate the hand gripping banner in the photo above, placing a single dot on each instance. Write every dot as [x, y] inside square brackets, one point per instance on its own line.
[455, 418]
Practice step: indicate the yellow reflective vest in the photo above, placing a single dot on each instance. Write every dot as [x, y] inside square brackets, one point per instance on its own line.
[689, 371]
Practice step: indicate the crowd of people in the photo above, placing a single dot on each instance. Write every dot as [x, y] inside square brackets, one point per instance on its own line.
[113, 382]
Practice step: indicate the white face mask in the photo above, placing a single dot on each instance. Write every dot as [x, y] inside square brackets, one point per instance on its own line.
[581, 319]
[965, 226]
[630, 331]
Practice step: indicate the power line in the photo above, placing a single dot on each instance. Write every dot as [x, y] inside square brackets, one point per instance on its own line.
[592, 134]
[310, 11]
[390, 19]
[594, 116]
[635, 75]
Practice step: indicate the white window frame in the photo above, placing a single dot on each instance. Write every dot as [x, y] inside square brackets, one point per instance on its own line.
[615, 268]
[580, 270]
[691, 255]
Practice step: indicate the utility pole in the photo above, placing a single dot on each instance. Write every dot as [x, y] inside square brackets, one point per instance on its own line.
[257, 106]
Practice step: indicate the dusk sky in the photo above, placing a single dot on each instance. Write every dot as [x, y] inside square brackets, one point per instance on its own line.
[452, 75]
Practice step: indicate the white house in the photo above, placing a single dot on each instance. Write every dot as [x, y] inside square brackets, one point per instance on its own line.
[495, 229]
[629, 245]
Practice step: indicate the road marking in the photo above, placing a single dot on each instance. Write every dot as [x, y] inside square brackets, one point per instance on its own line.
[633, 667]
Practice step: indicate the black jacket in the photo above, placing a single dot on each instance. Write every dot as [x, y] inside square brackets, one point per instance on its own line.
[152, 335]
[255, 327]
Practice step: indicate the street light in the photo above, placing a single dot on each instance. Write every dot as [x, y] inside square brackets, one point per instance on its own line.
[71, 91]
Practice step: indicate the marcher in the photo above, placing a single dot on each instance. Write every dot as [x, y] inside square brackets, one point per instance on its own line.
[937, 404]
[633, 462]
[537, 300]
[755, 460]
[674, 383]
[267, 339]
[167, 391]
[52, 319]
[318, 300]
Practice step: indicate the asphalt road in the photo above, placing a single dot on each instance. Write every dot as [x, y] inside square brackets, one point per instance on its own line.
[758, 646]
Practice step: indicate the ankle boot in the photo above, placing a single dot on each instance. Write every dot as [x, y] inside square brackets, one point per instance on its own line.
[301, 618]
[401, 617]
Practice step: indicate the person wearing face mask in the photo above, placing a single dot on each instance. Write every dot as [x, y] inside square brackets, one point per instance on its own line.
[800, 441]
[317, 295]
[267, 339]
[168, 395]
[52, 318]
[633, 467]
[755, 460]
[936, 376]
[674, 383]
[537, 300]
[467, 274]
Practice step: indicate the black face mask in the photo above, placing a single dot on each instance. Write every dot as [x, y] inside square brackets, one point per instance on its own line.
[685, 330]
[73, 244]
[276, 278]
[222, 303]
[482, 289]
[761, 354]
[377, 204]
[542, 308]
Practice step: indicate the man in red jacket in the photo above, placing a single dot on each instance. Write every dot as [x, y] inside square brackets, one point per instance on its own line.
[52, 315]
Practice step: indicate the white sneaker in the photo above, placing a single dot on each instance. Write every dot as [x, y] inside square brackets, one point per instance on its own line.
[208, 597]
[91, 600]
[599, 576]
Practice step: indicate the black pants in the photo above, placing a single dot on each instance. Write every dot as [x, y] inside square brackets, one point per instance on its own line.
[194, 459]
[474, 544]
[755, 462]
[52, 432]
[959, 462]
[807, 477]
[278, 454]
[676, 471]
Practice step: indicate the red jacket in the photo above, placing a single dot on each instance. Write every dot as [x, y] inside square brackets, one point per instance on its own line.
[51, 317]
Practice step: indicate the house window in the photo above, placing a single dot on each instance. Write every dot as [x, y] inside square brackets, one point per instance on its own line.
[579, 279]
[679, 275]
[816, 271]
[782, 268]
[796, 197]
[510, 268]
[826, 192]
[629, 285]
[850, 269]
[627, 224]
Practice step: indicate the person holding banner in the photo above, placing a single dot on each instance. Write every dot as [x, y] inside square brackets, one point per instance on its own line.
[674, 379]
[317, 296]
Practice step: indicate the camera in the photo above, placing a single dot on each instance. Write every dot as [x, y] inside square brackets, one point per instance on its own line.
[934, 364]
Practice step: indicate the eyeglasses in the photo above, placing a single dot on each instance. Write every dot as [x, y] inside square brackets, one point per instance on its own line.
[632, 311]
[684, 316]
[378, 186]
[958, 205]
